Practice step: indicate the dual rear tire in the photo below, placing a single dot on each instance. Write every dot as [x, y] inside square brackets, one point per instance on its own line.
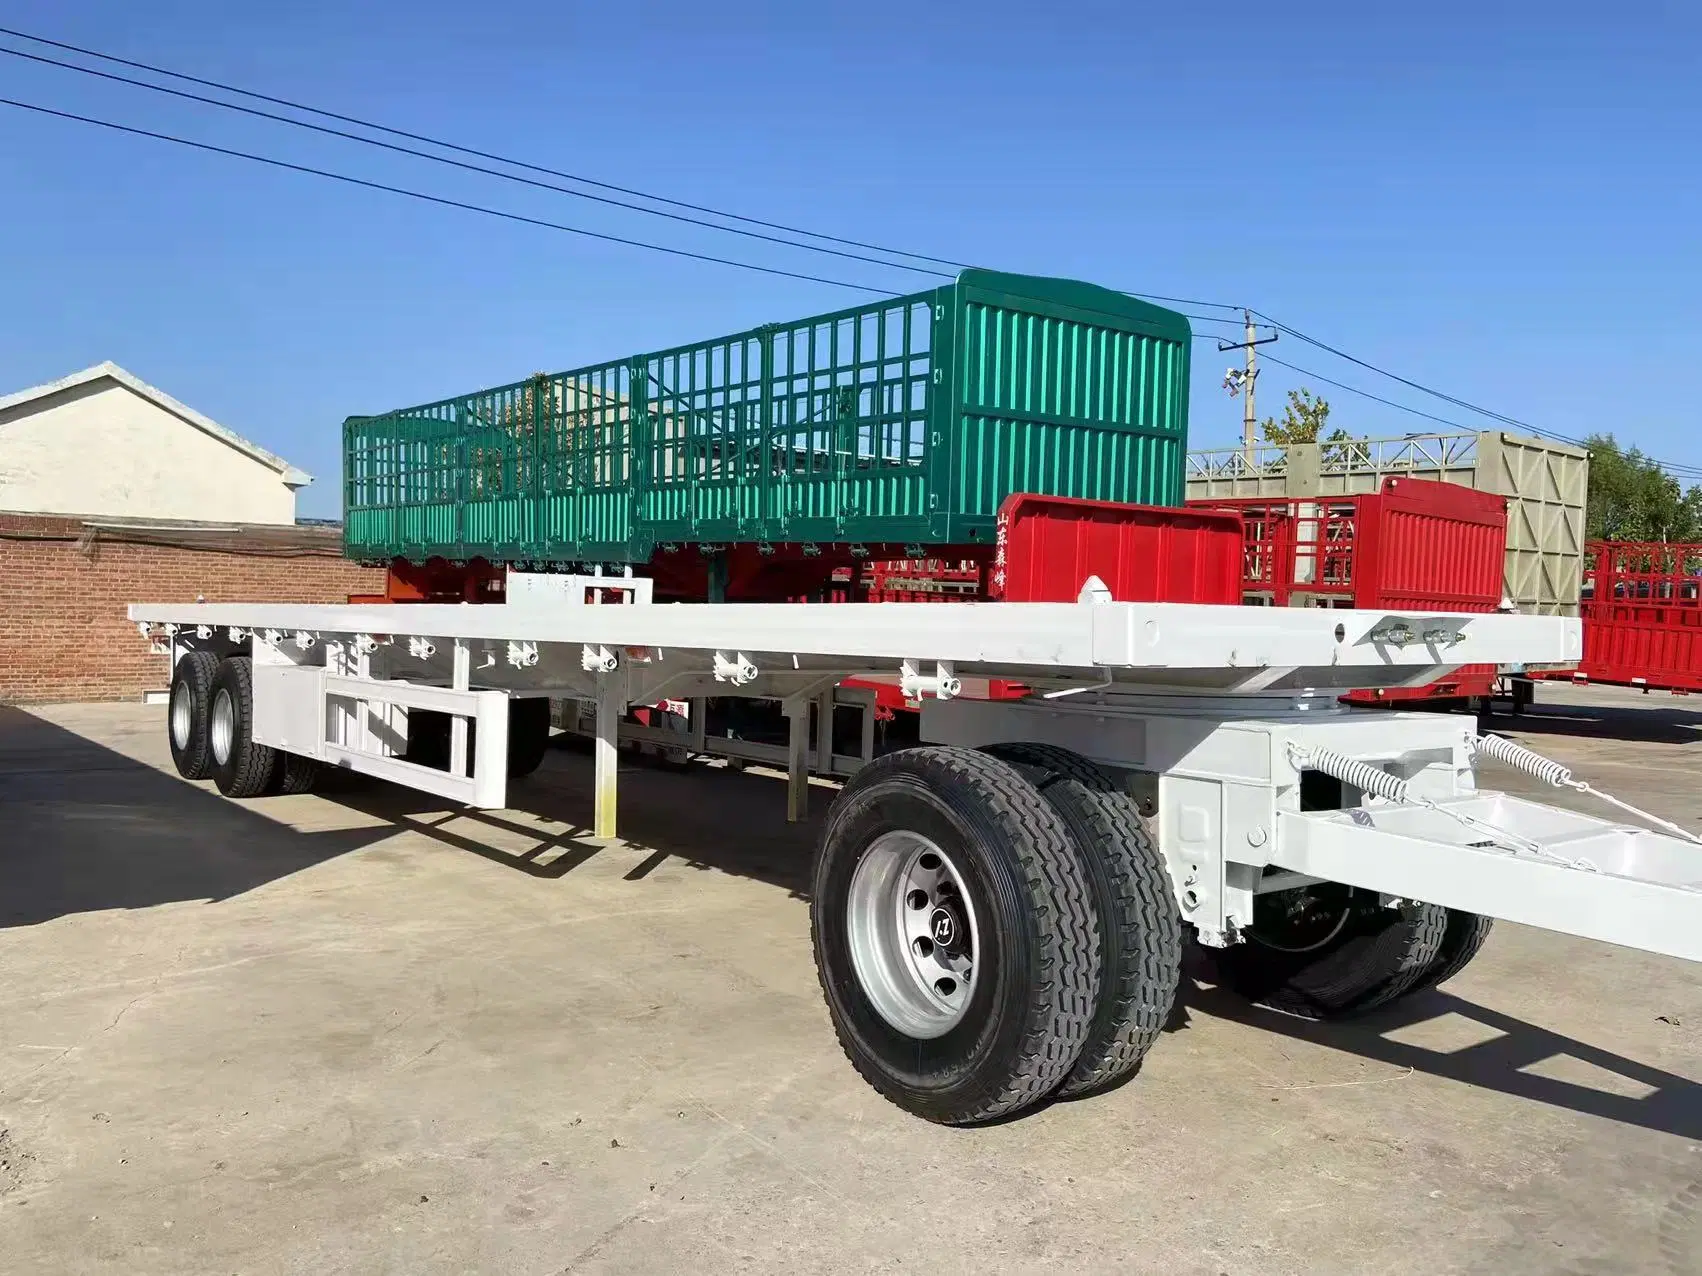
[211, 726]
[991, 930]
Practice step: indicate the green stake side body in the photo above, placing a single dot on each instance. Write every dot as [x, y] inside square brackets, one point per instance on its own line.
[905, 421]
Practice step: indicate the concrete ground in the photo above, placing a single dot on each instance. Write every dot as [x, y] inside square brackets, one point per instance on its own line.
[358, 1032]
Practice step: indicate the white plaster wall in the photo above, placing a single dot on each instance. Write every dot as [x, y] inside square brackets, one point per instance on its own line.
[102, 449]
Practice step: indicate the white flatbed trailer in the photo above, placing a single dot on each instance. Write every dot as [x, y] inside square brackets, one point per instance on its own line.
[999, 915]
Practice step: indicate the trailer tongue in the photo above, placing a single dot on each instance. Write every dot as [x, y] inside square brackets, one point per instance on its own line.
[999, 915]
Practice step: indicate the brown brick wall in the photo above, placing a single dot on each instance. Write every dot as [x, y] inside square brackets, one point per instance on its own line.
[64, 585]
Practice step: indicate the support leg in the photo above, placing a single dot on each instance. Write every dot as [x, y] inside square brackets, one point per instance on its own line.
[797, 760]
[461, 678]
[824, 733]
[610, 707]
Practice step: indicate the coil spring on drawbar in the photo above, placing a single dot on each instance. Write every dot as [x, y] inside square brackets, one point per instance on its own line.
[1527, 760]
[1361, 775]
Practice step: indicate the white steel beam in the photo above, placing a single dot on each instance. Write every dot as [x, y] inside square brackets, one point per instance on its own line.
[1041, 637]
[1599, 880]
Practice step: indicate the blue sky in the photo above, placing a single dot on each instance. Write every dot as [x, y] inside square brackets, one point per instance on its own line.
[1498, 199]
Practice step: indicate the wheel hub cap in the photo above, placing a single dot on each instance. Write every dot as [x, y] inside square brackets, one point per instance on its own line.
[223, 725]
[945, 928]
[180, 717]
[913, 932]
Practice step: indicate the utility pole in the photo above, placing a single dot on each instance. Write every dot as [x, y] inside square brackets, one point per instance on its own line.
[1237, 380]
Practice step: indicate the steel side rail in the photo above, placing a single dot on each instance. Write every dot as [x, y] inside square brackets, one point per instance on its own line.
[1041, 637]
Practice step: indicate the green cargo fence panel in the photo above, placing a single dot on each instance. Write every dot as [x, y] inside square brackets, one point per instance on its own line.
[900, 421]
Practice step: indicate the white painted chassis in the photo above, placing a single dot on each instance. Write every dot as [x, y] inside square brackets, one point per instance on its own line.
[1200, 708]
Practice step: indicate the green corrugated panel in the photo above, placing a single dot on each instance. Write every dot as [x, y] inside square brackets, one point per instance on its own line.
[899, 421]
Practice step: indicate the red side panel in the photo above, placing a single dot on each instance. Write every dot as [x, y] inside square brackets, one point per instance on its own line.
[1415, 545]
[1049, 545]
[1667, 657]
[1428, 546]
[1642, 609]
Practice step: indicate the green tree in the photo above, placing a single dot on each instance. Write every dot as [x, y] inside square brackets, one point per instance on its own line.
[1632, 499]
[1304, 418]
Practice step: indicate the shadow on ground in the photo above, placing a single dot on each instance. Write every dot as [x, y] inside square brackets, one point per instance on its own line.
[1654, 721]
[83, 829]
[1504, 1057]
[685, 815]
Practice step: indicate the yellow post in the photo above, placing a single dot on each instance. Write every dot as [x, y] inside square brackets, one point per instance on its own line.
[607, 759]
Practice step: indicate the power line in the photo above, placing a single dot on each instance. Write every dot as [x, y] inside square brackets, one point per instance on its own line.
[1675, 468]
[824, 238]
[460, 164]
[450, 203]
[468, 150]
[1394, 376]
[1677, 471]
[515, 163]
[1341, 385]
[440, 199]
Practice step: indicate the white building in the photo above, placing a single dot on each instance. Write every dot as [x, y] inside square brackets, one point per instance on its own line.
[104, 442]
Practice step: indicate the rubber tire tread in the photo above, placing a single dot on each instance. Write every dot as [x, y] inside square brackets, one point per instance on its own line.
[1139, 924]
[1429, 935]
[295, 773]
[196, 668]
[1365, 969]
[250, 769]
[1465, 938]
[528, 734]
[1063, 988]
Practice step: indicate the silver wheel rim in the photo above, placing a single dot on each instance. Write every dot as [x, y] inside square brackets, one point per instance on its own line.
[915, 943]
[223, 727]
[181, 714]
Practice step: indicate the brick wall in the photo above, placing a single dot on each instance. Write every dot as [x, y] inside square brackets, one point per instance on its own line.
[65, 582]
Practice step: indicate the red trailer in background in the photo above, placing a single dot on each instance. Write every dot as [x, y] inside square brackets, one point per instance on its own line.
[1642, 608]
[1415, 545]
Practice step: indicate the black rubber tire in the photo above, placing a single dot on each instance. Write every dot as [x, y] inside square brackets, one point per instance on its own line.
[1037, 978]
[248, 770]
[528, 734]
[1379, 955]
[1140, 926]
[293, 773]
[1462, 941]
[194, 678]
